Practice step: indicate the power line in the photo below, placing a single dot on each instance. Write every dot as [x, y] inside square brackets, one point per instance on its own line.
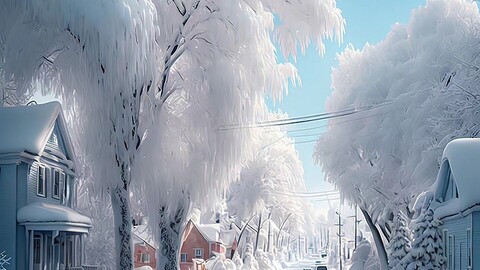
[334, 123]
[323, 116]
[307, 119]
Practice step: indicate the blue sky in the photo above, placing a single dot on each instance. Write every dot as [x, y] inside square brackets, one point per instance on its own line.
[366, 21]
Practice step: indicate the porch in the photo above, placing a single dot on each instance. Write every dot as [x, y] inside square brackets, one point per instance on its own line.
[54, 237]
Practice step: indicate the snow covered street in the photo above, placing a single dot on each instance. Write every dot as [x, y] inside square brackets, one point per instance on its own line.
[310, 263]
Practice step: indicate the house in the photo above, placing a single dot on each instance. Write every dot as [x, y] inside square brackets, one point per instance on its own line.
[203, 241]
[144, 247]
[456, 202]
[39, 228]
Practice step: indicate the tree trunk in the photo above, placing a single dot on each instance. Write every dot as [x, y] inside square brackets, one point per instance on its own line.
[382, 254]
[170, 236]
[123, 228]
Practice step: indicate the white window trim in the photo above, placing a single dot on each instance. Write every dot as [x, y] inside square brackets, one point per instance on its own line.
[469, 249]
[44, 180]
[57, 196]
[195, 253]
[181, 257]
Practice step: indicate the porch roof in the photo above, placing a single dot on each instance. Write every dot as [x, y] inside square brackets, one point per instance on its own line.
[47, 216]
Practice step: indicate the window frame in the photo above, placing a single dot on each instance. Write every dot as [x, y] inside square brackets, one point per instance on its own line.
[200, 256]
[182, 257]
[42, 168]
[56, 184]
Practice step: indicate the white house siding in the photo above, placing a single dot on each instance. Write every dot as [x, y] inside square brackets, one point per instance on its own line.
[22, 176]
[476, 239]
[8, 221]
[458, 228]
[54, 141]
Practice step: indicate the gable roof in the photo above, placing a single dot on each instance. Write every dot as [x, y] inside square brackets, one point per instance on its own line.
[461, 158]
[28, 128]
[211, 232]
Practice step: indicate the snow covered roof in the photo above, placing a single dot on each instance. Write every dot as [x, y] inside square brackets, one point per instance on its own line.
[27, 128]
[211, 232]
[42, 212]
[142, 233]
[227, 237]
[463, 160]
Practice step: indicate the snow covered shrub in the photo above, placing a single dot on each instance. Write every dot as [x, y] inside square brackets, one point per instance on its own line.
[249, 260]
[399, 245]
[427, 246]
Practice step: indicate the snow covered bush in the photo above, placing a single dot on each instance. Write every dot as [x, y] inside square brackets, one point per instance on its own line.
[399, 245]
[249, 260]
[427, 251]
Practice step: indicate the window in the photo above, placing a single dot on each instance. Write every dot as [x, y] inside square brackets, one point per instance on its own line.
[145, 258]
[41, 188]
[56, 184]
[469, 248]
[65, 186]
[183, 257]
[198, 253]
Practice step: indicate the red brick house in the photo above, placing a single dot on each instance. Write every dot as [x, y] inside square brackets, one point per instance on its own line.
[202, 241]
[144, 247]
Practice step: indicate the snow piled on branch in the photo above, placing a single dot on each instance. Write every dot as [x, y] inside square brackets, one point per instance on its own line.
[422, 82]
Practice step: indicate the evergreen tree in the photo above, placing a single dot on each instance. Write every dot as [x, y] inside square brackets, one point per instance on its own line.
[399, 245]
[427, 247]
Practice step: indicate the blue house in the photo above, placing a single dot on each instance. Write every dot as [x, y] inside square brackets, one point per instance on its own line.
[456, 203]
[39, 228]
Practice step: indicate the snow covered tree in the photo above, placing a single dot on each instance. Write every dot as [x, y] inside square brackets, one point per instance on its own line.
[399, 245]
[427, 246]
[267, 184]
[413, 92]
[135, 66]
[102, 66]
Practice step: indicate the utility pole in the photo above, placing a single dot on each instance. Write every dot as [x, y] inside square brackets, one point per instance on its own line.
[339, 239]
[356, 225]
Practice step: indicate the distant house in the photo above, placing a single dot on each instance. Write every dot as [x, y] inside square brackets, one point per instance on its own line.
[144, 247]
[457, 203]
[39, 228]
[202, 241]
